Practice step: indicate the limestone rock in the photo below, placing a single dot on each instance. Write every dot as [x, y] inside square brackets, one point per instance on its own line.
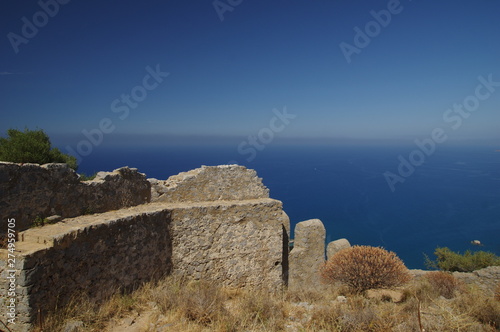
[335, 246]
[210, 183]
[486, 279]
[341, 299]
[307, 255]
[53, 219]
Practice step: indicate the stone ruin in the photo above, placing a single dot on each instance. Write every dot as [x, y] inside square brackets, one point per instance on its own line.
[28, 191]
[308, 255]
[121, 230]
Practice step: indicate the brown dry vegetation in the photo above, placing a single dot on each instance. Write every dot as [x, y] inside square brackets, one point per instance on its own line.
[175, 304]
[443, 283]
[365, 267]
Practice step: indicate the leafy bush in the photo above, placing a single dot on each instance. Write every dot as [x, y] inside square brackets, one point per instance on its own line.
[365, 267]
[448, 260]
[39, 221]
[443, 283]
[32, 146]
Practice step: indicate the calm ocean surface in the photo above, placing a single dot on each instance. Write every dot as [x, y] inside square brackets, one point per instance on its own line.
[450, 200]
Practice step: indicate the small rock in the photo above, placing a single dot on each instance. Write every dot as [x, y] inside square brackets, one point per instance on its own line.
[73, 326]
[53, 219]
[341, 299]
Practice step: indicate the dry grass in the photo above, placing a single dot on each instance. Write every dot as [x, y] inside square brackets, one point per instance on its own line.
[93, 316]
[181, 305]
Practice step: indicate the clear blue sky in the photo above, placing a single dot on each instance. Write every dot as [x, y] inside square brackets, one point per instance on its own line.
[226, 76]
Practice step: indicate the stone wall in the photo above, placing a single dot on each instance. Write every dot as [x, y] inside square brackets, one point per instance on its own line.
[225, 182]
[237, 243]
[239, 240]
[28, 191]
[95, 255]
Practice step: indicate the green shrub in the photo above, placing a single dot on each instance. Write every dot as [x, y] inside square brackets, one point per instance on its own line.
[40, 221]
[32, 146]
[85, 177]
[365, 267]
[448, 260]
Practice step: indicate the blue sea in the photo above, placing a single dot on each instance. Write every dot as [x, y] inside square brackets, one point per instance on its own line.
[448, 201]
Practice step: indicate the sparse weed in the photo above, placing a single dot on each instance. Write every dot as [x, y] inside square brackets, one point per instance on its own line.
[84, 177]
[40, 221]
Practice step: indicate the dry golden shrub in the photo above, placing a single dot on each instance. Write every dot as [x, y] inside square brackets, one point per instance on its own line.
[497, 292]
[365, 267]
[443, 283]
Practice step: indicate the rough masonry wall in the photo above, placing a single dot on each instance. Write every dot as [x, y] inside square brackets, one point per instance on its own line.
[238, 237]
[28, 191]
[95, 255]
[237, 243]
[233, 232]
[210, 183]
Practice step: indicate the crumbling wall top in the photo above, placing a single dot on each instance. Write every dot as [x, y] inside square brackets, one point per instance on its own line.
[210, 183]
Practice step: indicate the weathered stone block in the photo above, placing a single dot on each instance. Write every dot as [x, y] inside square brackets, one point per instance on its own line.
[307, 255]
[238, 243]
[210, 183]
[335, 246]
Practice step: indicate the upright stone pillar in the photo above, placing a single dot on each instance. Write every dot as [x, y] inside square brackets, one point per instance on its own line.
[307, 255]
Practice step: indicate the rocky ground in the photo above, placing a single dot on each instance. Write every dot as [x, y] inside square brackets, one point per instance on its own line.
[300, 313]
[486, 279]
